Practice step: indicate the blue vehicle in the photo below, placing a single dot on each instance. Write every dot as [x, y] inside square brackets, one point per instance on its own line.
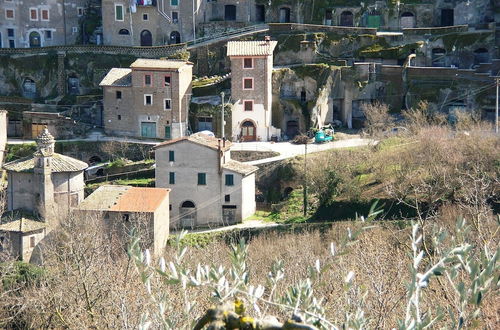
[321, 136]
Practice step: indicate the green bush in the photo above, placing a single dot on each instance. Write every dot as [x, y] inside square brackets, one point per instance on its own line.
[20, 274]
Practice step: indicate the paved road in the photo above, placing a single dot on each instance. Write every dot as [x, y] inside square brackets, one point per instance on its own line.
[289, 150]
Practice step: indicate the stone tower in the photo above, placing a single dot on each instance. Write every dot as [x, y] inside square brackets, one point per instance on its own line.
[43, 174]
[251, 89]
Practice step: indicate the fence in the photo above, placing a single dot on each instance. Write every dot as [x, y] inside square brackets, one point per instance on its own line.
[228, 35]
[148, 52]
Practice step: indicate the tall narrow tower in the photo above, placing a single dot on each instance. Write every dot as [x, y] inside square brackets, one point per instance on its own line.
[251, 89]
[43, 175]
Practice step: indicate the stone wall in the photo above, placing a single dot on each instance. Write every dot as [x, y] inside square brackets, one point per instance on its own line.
[3, 135]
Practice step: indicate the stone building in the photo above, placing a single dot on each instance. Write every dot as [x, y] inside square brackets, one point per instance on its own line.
[150, 99]
[208, 188]
[124, 208]
[41, 190]
[251, 89]
[150, 22]
[3, 134]
[31, 23]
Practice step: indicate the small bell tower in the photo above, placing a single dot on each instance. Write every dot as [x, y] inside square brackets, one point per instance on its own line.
[43, 175]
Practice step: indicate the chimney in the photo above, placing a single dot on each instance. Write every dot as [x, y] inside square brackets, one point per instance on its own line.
[267, 39]
[224, 142]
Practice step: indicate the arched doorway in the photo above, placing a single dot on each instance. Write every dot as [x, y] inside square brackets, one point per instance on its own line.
[146, 38]
[29, 88]
[175, 37]
[248, 131]
[35, 40]
[292, 128]
[481, 55]
[346, 19]
[230, 13]
[284, 15]
[187, 215]
[407, 20]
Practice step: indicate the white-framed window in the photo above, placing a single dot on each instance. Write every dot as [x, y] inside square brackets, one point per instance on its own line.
[74, 29]
[80, 11]
[247, 63]
[119, 14]
[148, 99]
[10, 14]
[174, 3]
[167, 104]
[45, 15]
[248, 105]
[248, 83]
[33, 14]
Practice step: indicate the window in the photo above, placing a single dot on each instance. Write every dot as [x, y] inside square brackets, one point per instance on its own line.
[32, 241]
[145, 17]
[147, 80]
[119, 117]
[48, 34]
[174, 2]
[175, 17]
[248, 63]
[171, 156]
[247, 83]
[45, 15]
[33, 14]
[118, 12]
[167, 81]
[248, 105]
[167, 104]
[118, 95]
[171, 177]
[74, 29]
[229, 180]
[202, 179]
[9, 13]
[227, 198]
[148, 99]
[12, 44]
[79, 11]
[10, 33]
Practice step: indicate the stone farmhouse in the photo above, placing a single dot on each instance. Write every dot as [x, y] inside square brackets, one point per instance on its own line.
[208, 188]
[150, 99]
[31, 23]
[41, 190]
[124, 207]
[251, 89]
[3, 135]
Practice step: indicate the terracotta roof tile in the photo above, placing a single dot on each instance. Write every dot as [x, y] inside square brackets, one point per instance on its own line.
[124, 199]
[239, 167]
[143, 63]
[118, 77]
[250, 48]
[198, 138]
[60, 163]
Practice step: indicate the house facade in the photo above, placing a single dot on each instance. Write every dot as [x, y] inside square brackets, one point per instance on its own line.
[3, 135]
[124, 208]
[31, 23]
[208, 188]
[150, 22]
[150, 99]
[42, 189]
[251, 89]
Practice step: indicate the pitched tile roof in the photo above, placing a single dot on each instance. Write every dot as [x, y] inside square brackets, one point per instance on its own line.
[118, 77]
[239, 167]
[60, 163]
[20, 222]
[198, 138]
[250, 48]
[124, 199]
[143, 63]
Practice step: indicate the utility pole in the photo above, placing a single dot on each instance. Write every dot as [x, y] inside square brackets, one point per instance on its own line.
[305, 179]
[496, 106]
[222, 115]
